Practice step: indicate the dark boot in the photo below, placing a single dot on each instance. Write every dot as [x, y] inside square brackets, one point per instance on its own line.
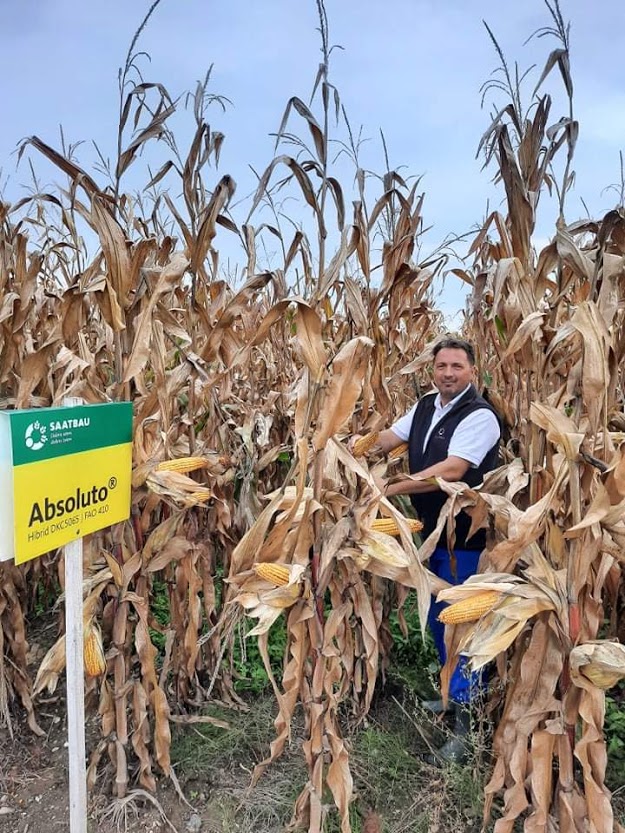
[456, 749]
[437, 707]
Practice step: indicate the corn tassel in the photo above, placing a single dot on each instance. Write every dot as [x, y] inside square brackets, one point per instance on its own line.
[390, 527]
[277, 574]
[183, 464]
[93, 654]
[398, 452]
[365, 444]
[471, 609]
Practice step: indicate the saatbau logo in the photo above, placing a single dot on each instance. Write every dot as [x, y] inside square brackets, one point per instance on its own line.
[36, 434]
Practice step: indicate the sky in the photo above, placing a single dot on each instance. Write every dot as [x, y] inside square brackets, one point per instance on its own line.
[413, 68]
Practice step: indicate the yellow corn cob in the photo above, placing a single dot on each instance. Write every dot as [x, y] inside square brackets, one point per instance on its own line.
[277, 574]
[364, 444]
[199, 497]
[183, 464]
[398, 452]
[389, 525]
[95, 662]
[601, 677]
[471, 609]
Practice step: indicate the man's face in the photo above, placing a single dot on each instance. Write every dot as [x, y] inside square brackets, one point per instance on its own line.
[452, 372]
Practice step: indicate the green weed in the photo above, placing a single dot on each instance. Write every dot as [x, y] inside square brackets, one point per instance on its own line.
[614, 729]
[251, 677]
[414, 662]
[159, 606]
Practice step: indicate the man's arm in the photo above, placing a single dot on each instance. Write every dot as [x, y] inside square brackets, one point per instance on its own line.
[451, 469]
[471, 440]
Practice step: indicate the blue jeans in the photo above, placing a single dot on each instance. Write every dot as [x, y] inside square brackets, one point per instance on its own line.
[464, 685]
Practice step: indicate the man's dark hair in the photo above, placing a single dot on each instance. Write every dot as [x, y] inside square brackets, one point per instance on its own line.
[455, 344]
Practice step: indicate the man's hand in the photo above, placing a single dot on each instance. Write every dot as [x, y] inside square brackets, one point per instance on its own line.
[388, 440]
[353, 439]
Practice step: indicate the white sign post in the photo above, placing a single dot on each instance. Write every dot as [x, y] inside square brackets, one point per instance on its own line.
[75, 688]
[64, 473]
[75, 680]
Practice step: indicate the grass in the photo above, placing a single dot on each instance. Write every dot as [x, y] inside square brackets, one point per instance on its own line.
[202, 747]
[386, 754]
[411, 795]
[214, 766]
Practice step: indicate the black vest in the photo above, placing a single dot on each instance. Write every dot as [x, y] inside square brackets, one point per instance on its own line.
[429, 505]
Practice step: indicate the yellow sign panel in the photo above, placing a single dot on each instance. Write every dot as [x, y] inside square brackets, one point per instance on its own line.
[49, 511]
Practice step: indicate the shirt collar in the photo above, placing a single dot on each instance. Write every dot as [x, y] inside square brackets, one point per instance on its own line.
[440, 407]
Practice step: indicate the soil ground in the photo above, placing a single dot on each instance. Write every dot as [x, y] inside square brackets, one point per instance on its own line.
[214, 766]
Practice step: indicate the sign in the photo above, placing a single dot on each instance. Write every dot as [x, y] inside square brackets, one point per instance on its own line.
[64, 473]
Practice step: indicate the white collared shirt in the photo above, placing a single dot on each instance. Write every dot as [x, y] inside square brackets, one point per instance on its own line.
[473, 438]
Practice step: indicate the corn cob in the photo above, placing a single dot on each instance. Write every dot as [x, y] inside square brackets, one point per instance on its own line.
[93, 653]
[390, 527]
[601, 677]
[398, 452]
[277, 574]
[199, 497]
[182, 464]
[365, 444]
[602, 662]
[471, 609]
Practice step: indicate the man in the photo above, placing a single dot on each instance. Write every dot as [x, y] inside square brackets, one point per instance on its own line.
[453, 434]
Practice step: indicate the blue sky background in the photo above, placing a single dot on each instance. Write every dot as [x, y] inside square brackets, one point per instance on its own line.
[411, 67]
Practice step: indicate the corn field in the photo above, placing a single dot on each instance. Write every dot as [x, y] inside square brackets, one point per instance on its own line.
[109, 296]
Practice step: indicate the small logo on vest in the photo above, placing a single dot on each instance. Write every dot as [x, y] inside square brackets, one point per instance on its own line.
[441, 432]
